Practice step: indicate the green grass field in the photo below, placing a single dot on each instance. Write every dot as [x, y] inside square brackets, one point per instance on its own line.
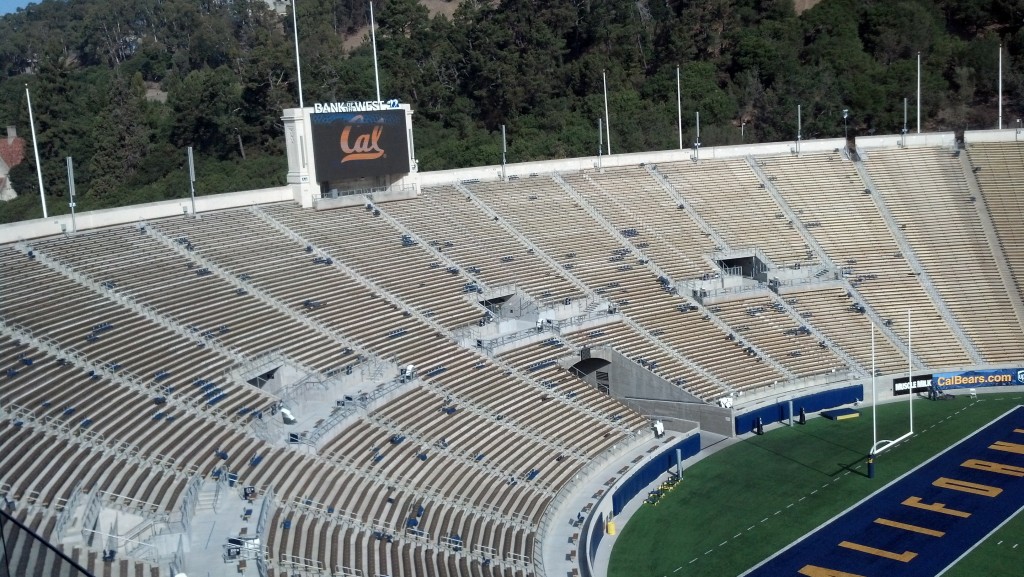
[741, 505]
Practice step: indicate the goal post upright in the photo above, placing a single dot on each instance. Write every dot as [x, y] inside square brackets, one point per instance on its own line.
[876, 445]
[874, 409]
[910, 372]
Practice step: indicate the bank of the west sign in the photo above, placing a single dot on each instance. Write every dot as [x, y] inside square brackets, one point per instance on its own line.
[355, 106]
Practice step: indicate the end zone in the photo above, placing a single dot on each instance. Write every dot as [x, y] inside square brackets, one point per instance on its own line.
[923, 522]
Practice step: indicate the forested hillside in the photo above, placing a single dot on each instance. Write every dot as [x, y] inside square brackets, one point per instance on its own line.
[123, 86]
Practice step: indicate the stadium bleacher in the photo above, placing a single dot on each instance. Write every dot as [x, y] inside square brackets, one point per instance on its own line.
[121, 348]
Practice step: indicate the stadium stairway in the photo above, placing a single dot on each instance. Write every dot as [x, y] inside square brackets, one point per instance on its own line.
[240, 284]
[439, 255]
[723, 387]
[915, 265]
[525, 241]
[850, 362]
[681, 202]
[661, 273]
[992, 236]
[370, 285]
[768, 184]
[608, 227]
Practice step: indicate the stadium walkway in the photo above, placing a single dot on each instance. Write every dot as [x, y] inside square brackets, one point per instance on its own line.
[562, 544]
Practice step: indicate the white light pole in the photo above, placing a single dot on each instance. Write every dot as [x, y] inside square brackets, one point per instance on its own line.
[846, 126]
[298, 66]
[192, 180]
[1000, 86]
[71, 193]
[904, 131]
[743, 124]
[696, 145]
[35, 149]
[799, 127]
[600, 143]
[607, 128]
[504, 150]
[918, 93]
[679, 107]
[373, 39]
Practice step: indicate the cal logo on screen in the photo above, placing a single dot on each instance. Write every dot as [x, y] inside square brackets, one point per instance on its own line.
[355, 144]
[365, 146]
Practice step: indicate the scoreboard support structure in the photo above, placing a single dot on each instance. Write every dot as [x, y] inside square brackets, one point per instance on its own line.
[340, 151]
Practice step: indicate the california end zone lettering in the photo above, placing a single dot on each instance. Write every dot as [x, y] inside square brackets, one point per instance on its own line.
[921, 523]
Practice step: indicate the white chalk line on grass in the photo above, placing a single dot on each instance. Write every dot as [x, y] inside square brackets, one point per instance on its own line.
[815, 491]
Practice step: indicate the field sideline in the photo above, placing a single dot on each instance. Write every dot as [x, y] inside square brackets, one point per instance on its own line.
[741, 505]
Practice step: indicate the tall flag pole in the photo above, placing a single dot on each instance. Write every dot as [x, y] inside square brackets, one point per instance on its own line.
[607, 129]
[799, 126]
[192, 180]
[35, 149]
[679, 107]
[298, 66]
[1000, 86]
[71, 192]
[919, 93]
[696, 145]
[373, 39]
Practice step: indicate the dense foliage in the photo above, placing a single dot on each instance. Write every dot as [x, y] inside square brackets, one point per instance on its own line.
[123, 86]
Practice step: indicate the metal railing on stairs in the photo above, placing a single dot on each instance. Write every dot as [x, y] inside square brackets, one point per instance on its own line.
[669, 350]
[915, 265]
[849, 361]
[687, 207]
[522, 239]
[769, 185]
[739, 338]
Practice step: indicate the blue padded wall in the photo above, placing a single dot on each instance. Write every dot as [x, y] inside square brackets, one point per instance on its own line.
[653, 469]
[810, 403]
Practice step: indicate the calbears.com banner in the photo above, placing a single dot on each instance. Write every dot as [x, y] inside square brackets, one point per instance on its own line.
[972, 379]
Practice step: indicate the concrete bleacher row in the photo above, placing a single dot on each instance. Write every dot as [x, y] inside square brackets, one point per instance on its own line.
[630, 199]
[466, 379]
[829, 310]
[827, 192]
[317, 546]
[98, 328]
[764, 321]
[26, 558]
[142, 268]
[453, 225]
[998, 169]
[927, 192]
[729, 195]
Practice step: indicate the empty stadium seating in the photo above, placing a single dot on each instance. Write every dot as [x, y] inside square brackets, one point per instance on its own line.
[117, 346]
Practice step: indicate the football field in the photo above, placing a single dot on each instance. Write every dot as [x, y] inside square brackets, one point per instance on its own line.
[744, 504]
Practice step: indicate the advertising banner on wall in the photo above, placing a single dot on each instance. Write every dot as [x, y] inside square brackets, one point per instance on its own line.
[355, 144]
[974, 379]
[921, 384]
